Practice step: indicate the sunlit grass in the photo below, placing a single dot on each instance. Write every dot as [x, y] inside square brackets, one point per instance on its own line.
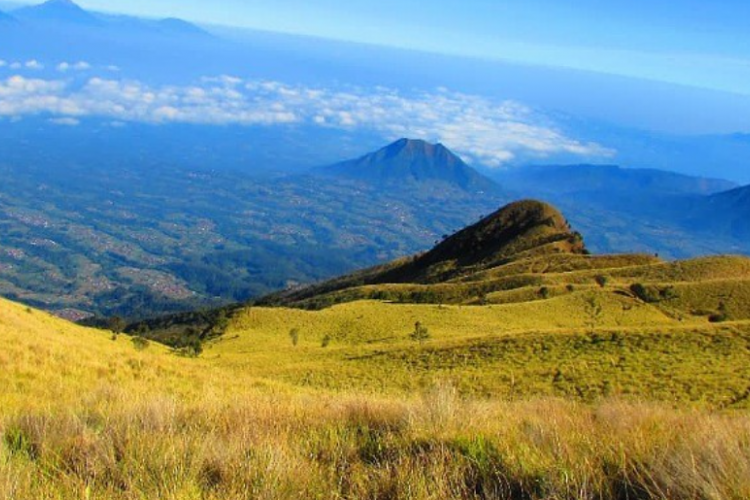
[538, 399]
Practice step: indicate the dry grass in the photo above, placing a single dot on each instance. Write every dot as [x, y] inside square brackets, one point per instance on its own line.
[440, 446]
[86, 417]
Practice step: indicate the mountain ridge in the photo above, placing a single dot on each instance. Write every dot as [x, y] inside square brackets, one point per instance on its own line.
[597, 178]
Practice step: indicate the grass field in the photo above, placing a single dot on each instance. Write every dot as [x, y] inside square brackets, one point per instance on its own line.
[532, 400]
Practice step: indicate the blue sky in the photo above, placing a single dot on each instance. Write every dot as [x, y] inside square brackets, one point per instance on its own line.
[698, 43]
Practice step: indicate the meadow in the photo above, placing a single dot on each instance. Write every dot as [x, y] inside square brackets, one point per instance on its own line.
[529, 400]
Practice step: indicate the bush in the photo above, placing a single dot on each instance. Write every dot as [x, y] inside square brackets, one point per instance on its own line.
[294, 336]
[420, 333]
[643, 293]
[140, 343]
[601, 280]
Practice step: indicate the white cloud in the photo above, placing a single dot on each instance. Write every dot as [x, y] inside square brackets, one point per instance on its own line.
[16, 65]
[68, 122]
[3, 63]
[482, 130]
[79, 66]
[34, 64]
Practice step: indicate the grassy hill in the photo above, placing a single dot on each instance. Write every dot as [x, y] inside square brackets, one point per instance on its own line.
[535, 371]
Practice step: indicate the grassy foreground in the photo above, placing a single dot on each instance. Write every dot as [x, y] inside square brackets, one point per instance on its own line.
[83, 416]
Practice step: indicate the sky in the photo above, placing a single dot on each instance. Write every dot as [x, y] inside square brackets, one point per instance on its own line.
[691, 42]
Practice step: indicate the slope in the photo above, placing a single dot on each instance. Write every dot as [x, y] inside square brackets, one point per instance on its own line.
[521, 229]
[82, 416]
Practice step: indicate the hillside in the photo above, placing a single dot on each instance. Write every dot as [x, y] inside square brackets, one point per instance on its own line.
[524, 229]
[609, 365]
[724, 213]
[412, 162]
[520, 282]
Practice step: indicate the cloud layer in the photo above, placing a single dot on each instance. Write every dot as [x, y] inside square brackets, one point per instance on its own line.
[484, 131]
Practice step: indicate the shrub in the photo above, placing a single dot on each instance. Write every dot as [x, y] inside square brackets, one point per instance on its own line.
[643, 293]
[140, 343]
[601, 280]
[420, 333]
[294, 336]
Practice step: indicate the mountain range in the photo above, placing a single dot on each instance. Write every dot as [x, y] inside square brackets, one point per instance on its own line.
[65, 17]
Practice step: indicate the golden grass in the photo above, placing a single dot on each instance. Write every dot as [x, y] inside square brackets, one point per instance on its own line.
[83, 416]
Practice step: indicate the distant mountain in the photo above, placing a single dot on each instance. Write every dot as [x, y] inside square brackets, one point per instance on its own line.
[724, 214]
[58, 11]
[6, 18]
[66, 14]
[606, 179]
[409, 161]
[176, 26]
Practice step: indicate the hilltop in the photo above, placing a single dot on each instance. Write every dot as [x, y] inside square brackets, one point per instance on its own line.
[409, 162]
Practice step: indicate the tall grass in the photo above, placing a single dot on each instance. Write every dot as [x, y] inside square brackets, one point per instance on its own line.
[438, 446]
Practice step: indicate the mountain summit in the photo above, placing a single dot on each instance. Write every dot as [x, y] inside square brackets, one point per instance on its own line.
[65, 11]
[411, 161]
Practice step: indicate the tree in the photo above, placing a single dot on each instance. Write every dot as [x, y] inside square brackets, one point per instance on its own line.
[116, 324]
[420, 333]
[140, 343]
[294, 336]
